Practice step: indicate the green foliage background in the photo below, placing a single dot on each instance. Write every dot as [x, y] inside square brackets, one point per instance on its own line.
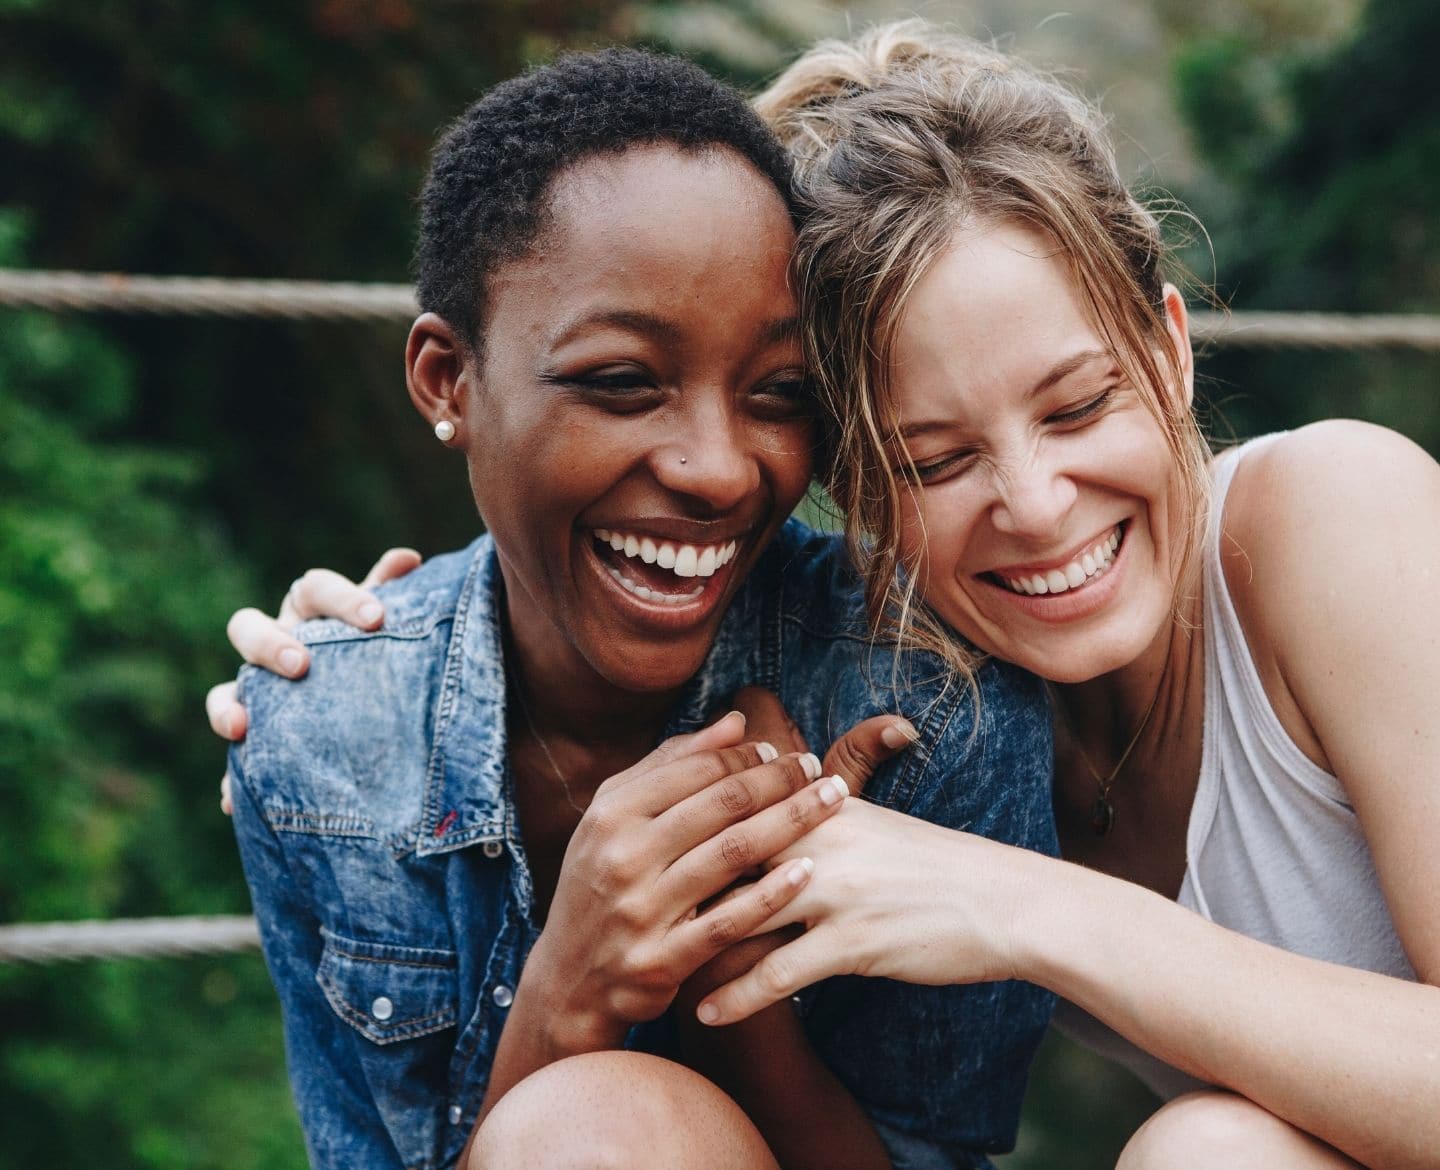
[156, 473]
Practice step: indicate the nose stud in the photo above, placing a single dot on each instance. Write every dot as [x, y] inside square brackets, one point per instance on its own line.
[683, 459]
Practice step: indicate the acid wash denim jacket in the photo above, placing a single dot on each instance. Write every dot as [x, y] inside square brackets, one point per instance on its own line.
[376, 820]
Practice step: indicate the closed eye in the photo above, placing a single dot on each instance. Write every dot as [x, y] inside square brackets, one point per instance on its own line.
[622, 390]
[931, 471]
[1086, 410]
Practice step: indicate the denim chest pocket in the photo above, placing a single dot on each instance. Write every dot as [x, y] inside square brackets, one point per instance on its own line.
[402, 1003]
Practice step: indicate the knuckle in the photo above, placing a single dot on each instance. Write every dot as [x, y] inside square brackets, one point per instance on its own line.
[735, 797]
[853, 757]
[721, 930]
[736, 851]
[773, 975]
[799, 813]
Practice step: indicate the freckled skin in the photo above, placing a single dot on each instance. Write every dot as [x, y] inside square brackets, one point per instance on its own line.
[1019, 479]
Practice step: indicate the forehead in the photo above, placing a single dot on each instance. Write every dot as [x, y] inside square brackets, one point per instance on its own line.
[659, 225]
[995, 310]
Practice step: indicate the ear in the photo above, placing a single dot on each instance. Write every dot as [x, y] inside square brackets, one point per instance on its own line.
[1177, 324]
[439, 373]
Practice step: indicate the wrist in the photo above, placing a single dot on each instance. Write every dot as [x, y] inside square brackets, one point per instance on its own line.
[1069, 922]
[551, 1000]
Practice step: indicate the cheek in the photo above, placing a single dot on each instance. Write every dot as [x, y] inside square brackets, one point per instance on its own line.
[788, 456]
[936, 530]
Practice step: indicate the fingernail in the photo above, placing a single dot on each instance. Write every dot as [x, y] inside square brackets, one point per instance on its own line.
[767, 751]
[833, 791]
[810, 762]
[291, 660]
[707, 1013]
[370, 613]
[740, 715]
[898, 735]
[800, 872]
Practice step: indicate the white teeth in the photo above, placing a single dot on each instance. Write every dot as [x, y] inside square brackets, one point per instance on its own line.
[1089, 564]
[646, 594]
[684, 560]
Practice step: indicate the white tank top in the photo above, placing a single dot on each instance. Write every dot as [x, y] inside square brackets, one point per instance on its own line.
[1273, 849]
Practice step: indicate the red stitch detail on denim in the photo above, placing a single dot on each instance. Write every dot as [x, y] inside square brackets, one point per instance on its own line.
[443, 827]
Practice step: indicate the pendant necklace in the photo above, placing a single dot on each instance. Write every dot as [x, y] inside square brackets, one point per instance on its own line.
[1102, 812]
[545, 747]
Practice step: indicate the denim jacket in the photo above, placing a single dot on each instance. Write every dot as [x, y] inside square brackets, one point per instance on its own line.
[377, 826]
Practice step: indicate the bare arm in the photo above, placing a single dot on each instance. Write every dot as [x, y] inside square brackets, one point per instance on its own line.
[1346, 564]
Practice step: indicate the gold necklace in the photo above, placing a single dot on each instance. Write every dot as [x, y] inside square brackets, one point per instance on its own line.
[545, 747]
[1102, 812]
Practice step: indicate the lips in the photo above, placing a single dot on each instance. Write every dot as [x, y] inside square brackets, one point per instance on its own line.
[1085, 566]
[663, 573]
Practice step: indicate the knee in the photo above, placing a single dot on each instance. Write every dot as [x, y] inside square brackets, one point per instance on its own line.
[575, 1114]
[600, 1111]
[1207, 1129]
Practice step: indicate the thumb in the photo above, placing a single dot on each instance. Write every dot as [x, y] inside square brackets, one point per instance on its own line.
[856, 754]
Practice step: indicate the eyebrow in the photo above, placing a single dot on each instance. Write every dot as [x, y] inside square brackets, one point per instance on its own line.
[1057, 373]
[662, 329]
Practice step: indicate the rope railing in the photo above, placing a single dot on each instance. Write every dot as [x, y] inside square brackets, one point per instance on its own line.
[84, 292]
[321, 300]
[127, 938]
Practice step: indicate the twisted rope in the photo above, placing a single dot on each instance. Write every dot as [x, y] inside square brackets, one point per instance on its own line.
[317, 300]
[127, 938]
[1318, 330]
[206, 296]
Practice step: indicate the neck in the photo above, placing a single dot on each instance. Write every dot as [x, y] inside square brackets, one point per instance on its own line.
[569, 703]
[1148, 695]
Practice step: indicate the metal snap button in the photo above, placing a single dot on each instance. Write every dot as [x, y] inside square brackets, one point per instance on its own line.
[492, 848]
[382, 1009]
[502, 996]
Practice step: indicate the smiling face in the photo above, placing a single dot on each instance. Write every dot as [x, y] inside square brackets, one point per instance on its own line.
[637, 426]
[1046, 520]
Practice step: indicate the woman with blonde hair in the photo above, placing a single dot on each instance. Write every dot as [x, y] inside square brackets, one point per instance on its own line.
[1243, 650]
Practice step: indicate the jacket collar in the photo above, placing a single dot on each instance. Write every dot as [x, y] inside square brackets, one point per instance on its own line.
[464, 794]
[466, 799]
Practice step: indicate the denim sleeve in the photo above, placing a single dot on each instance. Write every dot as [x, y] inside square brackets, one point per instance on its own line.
[337, 1110]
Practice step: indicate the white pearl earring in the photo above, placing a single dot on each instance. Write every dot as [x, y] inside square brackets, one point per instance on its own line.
[444, 430]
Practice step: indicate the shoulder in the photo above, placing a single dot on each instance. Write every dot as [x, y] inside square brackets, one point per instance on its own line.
[366, 706]
[415, 602]
[1334, 503]
[1328, 548]
[1329, 481]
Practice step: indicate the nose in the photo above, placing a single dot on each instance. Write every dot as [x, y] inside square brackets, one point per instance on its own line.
[1033, 496]
[710, 458]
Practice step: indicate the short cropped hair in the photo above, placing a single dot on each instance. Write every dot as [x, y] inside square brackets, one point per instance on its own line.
[492, 172]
